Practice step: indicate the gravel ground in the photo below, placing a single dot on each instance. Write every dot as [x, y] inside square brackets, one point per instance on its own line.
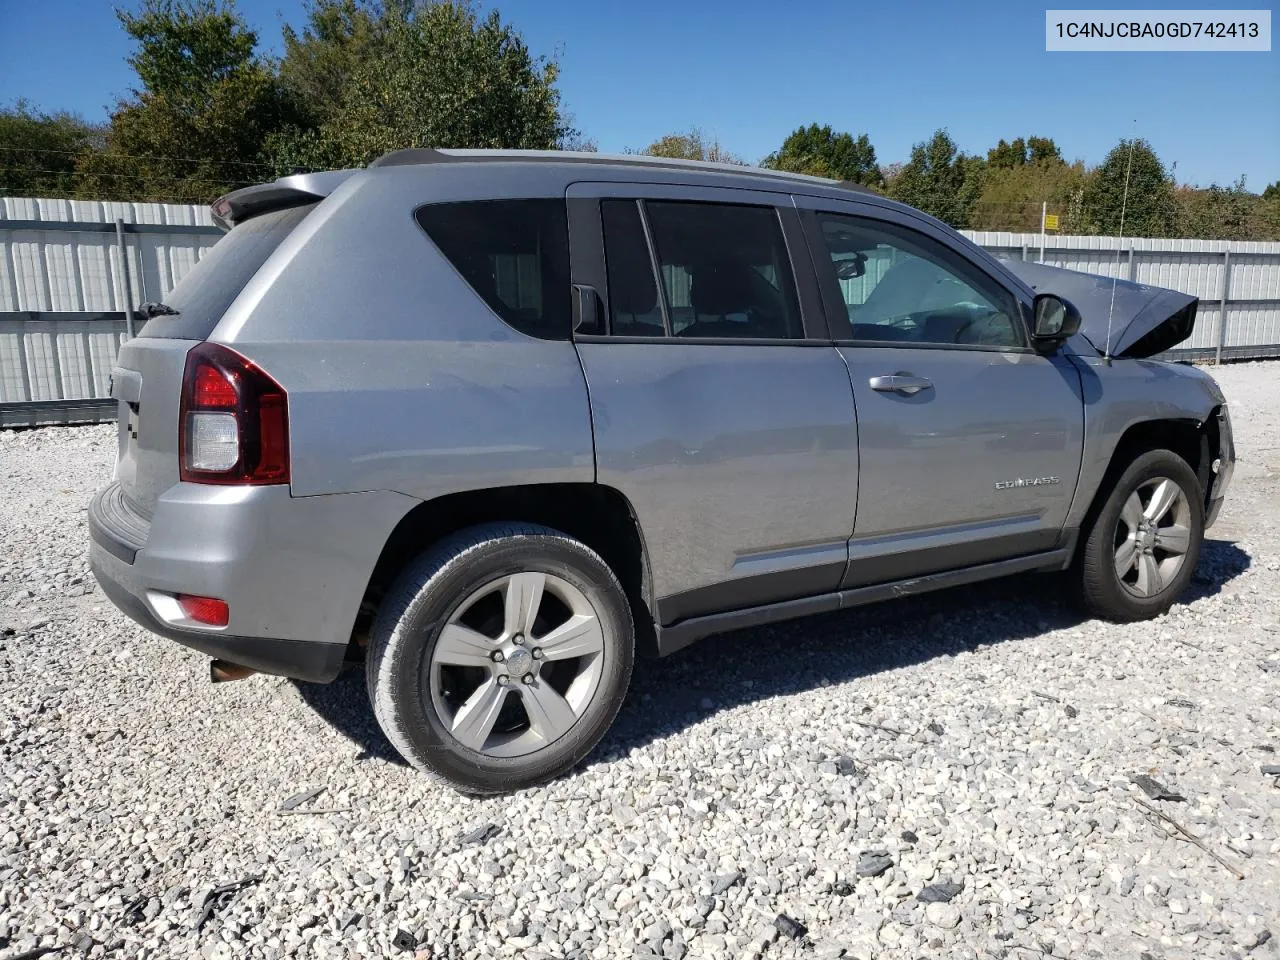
[946, 776]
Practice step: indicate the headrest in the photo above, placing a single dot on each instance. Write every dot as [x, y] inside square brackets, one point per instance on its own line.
[721, 288]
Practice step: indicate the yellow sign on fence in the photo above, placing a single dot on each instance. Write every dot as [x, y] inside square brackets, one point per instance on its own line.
[1051, 221]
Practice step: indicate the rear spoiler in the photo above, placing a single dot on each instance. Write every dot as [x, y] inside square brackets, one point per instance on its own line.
[239, 205]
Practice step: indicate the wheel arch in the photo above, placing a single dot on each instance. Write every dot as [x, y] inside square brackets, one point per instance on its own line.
[598, 515]
[1195, 440]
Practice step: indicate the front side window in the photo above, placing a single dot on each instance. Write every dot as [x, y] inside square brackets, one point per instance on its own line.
[901, 286]
[514, 254]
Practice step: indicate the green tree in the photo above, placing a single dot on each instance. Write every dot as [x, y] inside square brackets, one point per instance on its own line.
[1043, 150]
[1223, 213]
[320, 60]
[1132, 184]
[38, 151]
[822, 152]
[1040, 150]
[438, 75]
[940, 180]
[207, 103]
[1006, 156]
[693, 145]
[1011, 197]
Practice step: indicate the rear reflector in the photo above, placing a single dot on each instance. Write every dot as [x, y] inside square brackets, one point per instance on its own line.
[206, 610]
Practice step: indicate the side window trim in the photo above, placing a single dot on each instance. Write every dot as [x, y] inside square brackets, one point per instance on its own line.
[663, 303]
[813, 316]
[956, 259]
[586, 252]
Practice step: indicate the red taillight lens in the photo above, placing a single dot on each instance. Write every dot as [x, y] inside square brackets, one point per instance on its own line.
[206, 610]
[234, 422]
[213, 389]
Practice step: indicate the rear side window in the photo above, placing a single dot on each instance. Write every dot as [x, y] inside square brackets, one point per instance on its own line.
[514, 254]
[205, 293]
[634, 307]
[723, 270]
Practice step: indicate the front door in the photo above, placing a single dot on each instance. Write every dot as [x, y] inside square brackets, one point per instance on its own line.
[969, 440]
[720, 408]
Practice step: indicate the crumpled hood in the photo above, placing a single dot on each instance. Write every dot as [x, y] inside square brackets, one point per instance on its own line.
[1144, 320]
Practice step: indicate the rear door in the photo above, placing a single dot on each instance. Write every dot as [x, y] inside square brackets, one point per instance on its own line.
[719, 407]
[970, 440]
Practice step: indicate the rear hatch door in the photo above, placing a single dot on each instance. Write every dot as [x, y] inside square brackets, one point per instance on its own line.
[147, 379]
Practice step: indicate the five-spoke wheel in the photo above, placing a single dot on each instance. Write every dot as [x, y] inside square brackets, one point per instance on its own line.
[1143, 545]
[501, 656]
[517, 663]
[1152, 536]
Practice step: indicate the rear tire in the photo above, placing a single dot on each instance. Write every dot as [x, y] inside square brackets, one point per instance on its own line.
[500, 657]
[1144, 544]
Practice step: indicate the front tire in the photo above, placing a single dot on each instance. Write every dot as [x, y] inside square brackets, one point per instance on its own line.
[1144, 544]
[500, 657]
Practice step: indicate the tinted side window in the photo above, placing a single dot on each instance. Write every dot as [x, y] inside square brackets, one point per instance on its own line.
[634, 307]
[515, 255]
[901, 286]
[725, 270]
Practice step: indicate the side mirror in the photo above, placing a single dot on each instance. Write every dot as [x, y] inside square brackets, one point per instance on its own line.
[1056, 321]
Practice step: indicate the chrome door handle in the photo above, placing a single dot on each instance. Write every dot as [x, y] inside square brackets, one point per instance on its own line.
[901, 383]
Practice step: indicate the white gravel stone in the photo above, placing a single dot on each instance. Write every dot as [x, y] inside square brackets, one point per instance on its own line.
[125, 778]
[944, 915]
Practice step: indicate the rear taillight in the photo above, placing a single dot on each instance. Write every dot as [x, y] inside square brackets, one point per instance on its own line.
[234, 422]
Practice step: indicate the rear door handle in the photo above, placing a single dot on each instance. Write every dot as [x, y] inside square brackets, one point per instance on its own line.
[901, 383]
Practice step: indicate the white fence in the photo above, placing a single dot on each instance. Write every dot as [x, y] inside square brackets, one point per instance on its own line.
[1238, 282]
[72, 270]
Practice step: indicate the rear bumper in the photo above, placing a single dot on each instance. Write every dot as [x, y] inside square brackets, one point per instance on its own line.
[292, 570]
[300, 659]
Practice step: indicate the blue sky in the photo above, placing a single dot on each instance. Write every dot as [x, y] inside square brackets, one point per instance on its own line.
[750, 71]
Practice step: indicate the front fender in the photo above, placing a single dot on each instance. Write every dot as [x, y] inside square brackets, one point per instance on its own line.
[1121, 394]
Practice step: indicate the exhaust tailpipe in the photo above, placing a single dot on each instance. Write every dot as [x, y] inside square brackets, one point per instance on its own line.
[223, 671]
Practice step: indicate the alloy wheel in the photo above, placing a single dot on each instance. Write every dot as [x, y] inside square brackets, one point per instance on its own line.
[1152, 536]
[516, 664]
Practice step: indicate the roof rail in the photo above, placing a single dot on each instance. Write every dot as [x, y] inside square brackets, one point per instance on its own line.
[857, 187]
[428, 155]
[412, 155]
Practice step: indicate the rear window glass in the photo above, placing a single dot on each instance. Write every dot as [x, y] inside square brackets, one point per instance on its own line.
[514, 254]
[205, 293]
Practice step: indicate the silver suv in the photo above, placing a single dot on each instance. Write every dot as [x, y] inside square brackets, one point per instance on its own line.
[496, 422]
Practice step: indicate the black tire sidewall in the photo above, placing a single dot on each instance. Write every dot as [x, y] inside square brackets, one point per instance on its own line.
[408, 635]
[1104, 591]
